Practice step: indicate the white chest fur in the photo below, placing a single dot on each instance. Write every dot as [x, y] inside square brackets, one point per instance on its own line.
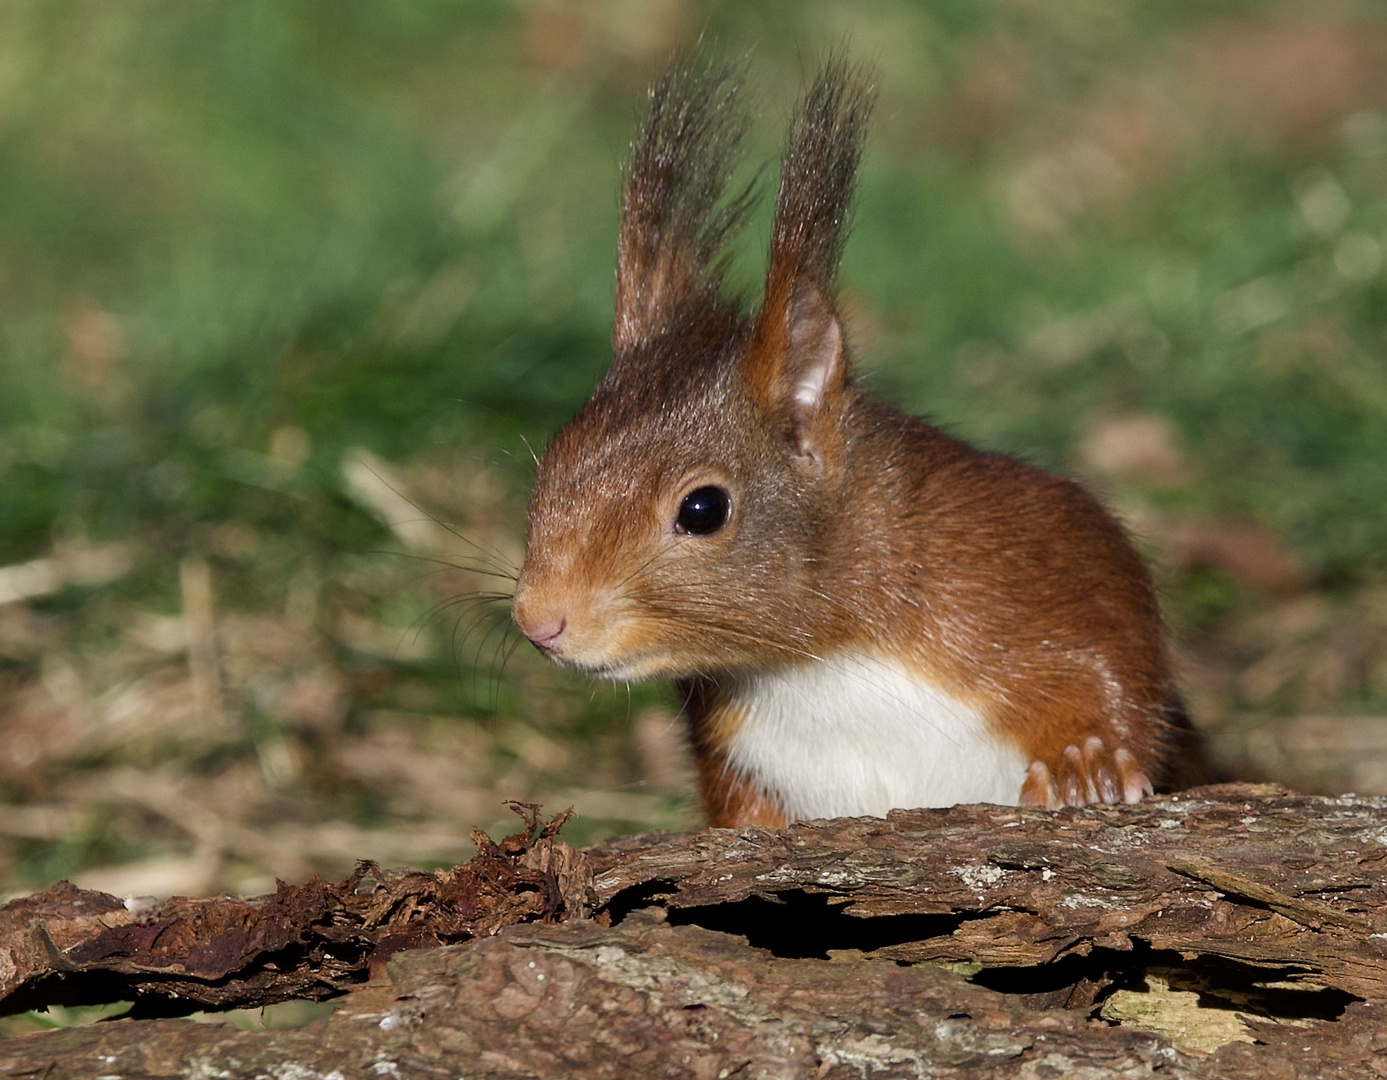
[852, 735]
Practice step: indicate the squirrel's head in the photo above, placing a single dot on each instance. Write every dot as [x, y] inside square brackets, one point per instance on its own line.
[676, 521]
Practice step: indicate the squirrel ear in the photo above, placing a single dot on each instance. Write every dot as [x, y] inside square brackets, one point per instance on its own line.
[815, 367]
[796, 370]
[794, 364]
[675, 222]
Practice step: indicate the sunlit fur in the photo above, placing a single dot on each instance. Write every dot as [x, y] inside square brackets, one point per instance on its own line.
[990, 592]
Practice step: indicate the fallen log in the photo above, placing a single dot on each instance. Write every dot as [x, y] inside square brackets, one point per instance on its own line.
[1227, 931]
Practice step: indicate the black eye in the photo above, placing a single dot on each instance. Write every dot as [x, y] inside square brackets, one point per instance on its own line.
[703, 511]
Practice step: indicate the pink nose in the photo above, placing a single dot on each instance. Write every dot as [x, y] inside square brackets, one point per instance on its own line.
[547, 635]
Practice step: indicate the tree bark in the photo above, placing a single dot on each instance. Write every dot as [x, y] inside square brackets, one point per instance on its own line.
[1225, 932]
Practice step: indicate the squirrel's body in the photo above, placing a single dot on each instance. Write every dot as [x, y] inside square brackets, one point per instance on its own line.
[995, 658]
[861, 611]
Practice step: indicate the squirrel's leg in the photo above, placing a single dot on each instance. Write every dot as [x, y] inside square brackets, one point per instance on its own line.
[1090, 741]
[729, 799]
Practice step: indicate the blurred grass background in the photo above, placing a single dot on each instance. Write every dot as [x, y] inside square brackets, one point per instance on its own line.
[287, 288]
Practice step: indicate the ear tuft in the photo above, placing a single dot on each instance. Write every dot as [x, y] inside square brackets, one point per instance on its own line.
[795, 365]
[676, 221]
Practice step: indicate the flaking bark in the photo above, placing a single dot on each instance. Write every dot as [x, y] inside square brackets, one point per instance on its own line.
[1069, 940]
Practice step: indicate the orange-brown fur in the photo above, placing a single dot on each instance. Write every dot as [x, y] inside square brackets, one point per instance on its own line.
[1015, 625]
[855, 528]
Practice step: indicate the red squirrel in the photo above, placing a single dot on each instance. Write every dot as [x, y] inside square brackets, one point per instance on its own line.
[859, 611]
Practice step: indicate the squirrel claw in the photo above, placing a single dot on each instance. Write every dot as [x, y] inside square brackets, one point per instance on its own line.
[1039, 788]
[1087, 775]
[1135, 783]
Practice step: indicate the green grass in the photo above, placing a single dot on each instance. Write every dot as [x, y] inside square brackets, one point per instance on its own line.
[388, 228]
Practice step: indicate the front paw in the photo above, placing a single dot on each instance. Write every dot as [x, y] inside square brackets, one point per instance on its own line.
[1086, 775]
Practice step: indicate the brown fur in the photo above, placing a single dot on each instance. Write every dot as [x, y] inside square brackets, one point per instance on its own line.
[854, 527]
